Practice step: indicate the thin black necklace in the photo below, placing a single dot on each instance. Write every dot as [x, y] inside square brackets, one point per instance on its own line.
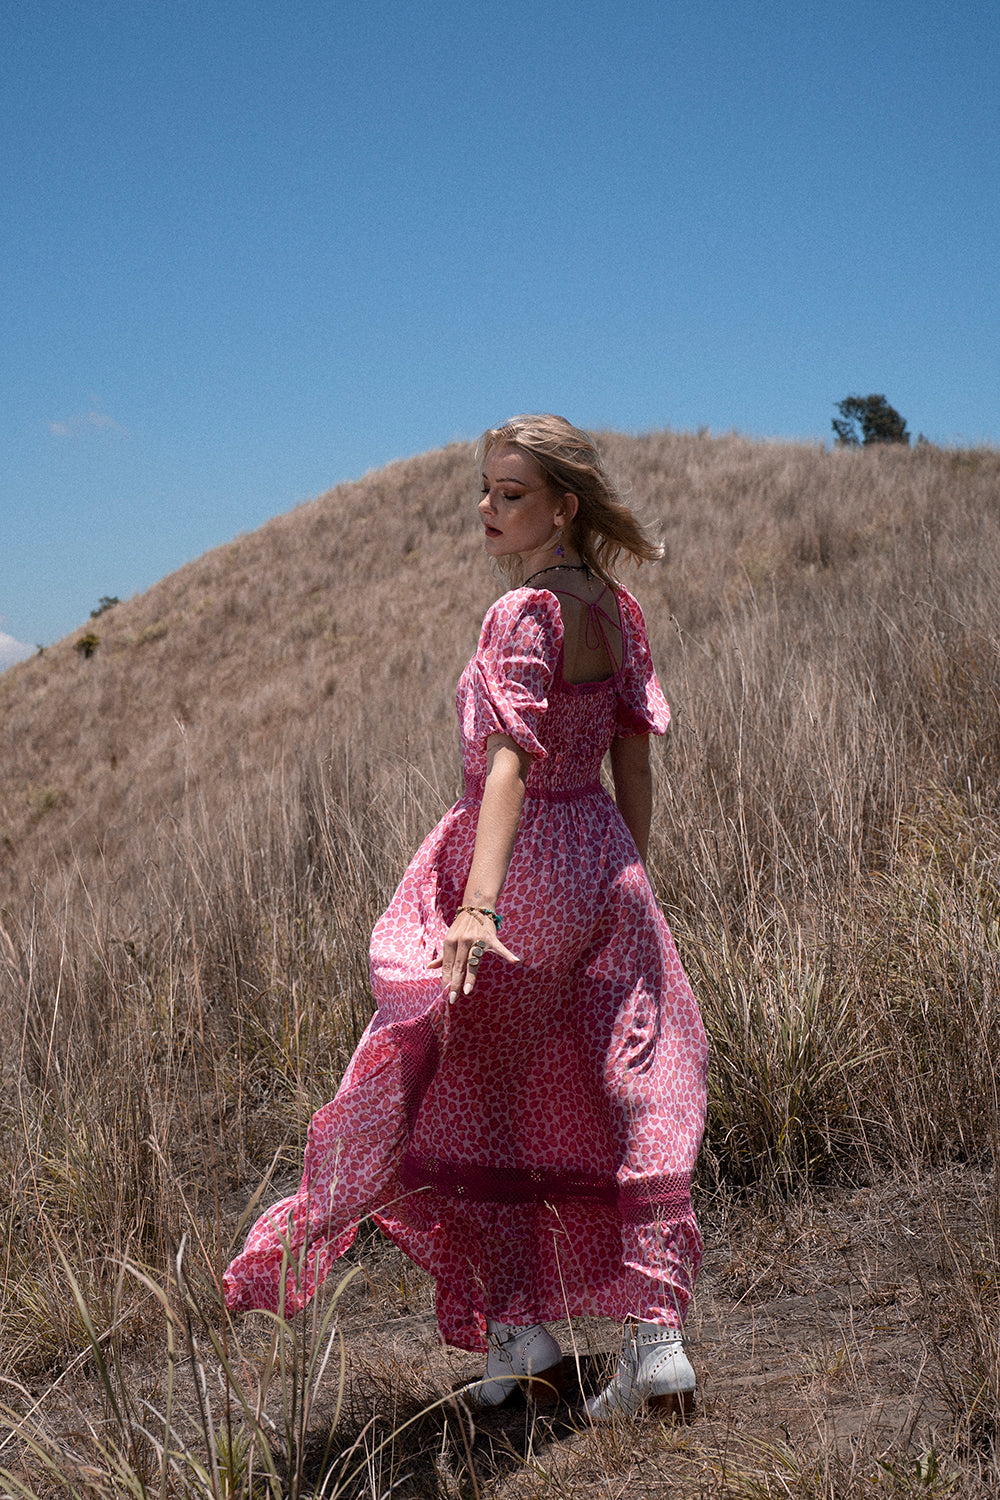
[557, 567]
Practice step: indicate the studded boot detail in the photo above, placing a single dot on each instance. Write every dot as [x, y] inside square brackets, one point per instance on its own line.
[653, 1371]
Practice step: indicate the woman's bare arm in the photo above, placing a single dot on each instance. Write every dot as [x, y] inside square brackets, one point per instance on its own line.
[507, 768]
[633, 778]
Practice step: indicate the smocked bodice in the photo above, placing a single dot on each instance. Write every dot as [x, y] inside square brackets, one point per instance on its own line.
[514, 686]
[576, 733]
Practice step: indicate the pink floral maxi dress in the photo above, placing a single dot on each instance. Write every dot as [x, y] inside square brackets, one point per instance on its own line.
[532, 1145]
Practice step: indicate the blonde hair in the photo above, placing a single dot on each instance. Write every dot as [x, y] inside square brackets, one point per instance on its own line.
[603, 527]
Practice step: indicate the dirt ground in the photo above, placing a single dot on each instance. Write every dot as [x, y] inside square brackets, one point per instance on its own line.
[824, 1330]
[829, 1337]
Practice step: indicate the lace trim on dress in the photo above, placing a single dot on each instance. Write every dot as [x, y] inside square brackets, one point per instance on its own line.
[636, 1203]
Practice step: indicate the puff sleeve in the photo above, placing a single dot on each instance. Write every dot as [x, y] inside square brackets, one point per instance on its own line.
[513, 669]
[642, 708]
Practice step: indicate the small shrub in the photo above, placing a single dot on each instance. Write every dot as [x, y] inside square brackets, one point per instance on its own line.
[104, 603]
[87, 644]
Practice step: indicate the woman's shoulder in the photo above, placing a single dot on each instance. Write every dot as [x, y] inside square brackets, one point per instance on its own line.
[642, 708]
[632, 617]
[522, 604]
[629, 606]
[522, 625]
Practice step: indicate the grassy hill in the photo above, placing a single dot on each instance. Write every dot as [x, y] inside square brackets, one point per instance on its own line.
[200, 821]
[345, 622]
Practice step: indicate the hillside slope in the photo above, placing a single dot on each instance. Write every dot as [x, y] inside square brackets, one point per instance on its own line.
[282, 637]
[343, 624]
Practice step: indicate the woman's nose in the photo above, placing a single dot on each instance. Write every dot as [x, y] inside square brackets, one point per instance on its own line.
[485, 504]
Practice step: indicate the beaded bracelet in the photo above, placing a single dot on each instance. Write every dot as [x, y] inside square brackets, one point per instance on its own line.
[483, 911]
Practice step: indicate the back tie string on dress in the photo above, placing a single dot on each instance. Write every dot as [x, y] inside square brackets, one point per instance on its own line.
[595, 635]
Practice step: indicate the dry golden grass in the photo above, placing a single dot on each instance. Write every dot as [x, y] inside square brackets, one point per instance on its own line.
[198, 826]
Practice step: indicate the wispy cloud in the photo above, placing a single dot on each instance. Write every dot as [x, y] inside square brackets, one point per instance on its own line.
[101, 420]
[12, 651]
[95, 418]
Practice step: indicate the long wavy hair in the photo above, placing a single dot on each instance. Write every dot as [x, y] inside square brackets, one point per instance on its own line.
[604, 528]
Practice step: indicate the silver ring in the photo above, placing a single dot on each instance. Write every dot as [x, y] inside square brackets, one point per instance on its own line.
[478, 949]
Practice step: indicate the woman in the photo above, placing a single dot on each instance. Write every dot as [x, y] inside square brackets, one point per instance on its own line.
[523, 1114]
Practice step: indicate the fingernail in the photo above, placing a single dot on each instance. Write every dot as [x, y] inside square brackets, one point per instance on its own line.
[452, 997]
[467, 990]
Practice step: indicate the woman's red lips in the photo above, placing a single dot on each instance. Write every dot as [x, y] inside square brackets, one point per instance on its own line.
[492, 531]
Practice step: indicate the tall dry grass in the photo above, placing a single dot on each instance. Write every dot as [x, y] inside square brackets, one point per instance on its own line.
[201, 823]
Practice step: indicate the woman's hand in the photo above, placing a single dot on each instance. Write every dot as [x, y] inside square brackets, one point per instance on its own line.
[468, 941]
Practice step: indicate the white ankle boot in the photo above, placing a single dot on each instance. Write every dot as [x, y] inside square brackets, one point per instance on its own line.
[526, 1358]
[653, 1369]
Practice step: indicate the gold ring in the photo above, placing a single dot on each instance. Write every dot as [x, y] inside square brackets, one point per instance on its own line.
[478, 949]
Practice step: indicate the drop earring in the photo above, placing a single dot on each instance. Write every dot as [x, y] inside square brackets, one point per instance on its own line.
[559, 545]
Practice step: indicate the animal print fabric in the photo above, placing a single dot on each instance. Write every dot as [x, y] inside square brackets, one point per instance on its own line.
[532, 1145]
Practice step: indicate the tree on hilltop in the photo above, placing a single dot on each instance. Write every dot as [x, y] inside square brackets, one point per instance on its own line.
[868, 419]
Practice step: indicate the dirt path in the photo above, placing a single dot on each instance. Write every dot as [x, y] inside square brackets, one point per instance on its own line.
[818, 1334]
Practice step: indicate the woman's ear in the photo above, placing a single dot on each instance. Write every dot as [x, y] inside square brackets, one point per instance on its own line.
[566, 508]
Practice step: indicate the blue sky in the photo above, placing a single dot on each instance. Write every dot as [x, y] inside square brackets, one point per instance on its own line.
[249, 250]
